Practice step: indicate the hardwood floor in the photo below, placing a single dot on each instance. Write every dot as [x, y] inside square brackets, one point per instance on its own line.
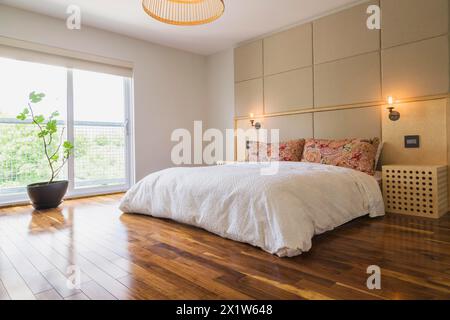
[123, 256]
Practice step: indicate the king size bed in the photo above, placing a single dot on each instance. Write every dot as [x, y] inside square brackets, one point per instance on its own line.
[278, 213]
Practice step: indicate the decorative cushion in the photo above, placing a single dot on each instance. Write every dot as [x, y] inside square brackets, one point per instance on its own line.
[358, 154]
[264, 152]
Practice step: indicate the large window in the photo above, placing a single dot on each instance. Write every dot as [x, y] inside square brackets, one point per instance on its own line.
[95, 109]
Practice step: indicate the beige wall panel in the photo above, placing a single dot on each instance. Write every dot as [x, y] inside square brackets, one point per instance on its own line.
[249, 97]
[288, 50]
[344, 34]
[289, 91]
[427, 119]
[352, 80]
[350, 123]
[417, 69]
[411, 20]
[248, 61]
[291, 127]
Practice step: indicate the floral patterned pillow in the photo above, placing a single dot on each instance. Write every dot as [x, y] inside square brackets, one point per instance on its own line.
[287, 151]
[358, 154]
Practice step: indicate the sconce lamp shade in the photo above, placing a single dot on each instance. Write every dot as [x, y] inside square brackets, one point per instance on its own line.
[393, 115]
[390, 100]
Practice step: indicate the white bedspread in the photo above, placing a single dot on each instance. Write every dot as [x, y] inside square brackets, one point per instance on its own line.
[279, 213]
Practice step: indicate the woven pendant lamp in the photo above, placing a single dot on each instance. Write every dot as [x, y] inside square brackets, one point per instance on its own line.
[184, 12]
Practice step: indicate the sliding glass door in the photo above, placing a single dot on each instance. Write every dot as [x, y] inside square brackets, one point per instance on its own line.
[94, 107]
[100, 123]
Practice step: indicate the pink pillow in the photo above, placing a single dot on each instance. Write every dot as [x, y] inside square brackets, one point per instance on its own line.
[288, 151]
[358, 154]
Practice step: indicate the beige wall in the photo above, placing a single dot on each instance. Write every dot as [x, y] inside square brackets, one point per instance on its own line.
[350, 64]
[336, 62]
[408, 59]
[169, 85]
[428, 119]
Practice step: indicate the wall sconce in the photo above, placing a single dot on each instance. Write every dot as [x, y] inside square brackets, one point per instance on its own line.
[393, 115]
[256, 125]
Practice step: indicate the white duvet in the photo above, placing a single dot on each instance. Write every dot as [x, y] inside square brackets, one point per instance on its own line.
[278, 213]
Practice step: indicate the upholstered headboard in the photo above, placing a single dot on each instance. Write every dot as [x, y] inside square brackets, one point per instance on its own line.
[349, 123]
[336, 123]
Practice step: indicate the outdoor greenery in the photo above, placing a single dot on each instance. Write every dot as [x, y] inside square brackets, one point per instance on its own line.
[21, 160]
[99, 153]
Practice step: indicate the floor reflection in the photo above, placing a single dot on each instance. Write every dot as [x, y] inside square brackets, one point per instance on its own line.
[46, 220]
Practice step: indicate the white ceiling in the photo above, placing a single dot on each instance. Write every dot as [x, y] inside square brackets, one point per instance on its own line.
[243, 20]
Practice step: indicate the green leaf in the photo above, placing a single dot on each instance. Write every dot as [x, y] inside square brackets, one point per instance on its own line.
[54, 114]
[68, 149]
[42, 133]
[55, 158]
[52, 126]
[39, 119]
[68, 145]
[22, 116]
[36, 97]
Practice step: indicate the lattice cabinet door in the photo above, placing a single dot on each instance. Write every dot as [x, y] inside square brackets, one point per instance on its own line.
[416, 190]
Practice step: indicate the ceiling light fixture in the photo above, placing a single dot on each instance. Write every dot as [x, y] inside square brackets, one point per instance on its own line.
[184, 12]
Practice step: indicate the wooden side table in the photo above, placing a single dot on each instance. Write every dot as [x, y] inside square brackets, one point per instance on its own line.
[416, 190]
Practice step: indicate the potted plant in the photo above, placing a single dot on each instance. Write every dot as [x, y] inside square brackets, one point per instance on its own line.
[49, 194]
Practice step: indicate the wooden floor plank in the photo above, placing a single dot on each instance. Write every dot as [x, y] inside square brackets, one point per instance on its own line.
[60, 283]
[125, 256]
[15, 286]
[32, 277]
[59, 262]
[78, 296]
[3, 294]
[36, 259]
[4, 261]
[48, 295]
[96, 292]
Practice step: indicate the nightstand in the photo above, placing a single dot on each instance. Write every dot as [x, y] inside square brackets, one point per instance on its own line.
[416, 190]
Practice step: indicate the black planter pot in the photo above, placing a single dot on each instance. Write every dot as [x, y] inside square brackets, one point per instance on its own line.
[46, 195]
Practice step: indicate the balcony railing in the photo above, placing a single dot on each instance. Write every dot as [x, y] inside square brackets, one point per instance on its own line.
[99, 155]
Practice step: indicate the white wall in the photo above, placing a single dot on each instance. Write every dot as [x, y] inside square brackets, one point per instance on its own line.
[169, 85]
[220, 70]
[220, 75]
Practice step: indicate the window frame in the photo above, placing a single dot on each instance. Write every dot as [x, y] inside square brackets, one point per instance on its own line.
[72, 192]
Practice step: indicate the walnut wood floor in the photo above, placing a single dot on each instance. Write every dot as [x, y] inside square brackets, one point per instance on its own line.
[138, 257]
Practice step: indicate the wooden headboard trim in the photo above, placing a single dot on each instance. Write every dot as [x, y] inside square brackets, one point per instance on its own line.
[345, 107]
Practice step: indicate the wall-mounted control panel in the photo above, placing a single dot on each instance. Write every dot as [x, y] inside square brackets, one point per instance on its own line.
[412, 142]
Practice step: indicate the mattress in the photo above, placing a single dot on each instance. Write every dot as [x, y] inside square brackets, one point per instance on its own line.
[278, 211]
